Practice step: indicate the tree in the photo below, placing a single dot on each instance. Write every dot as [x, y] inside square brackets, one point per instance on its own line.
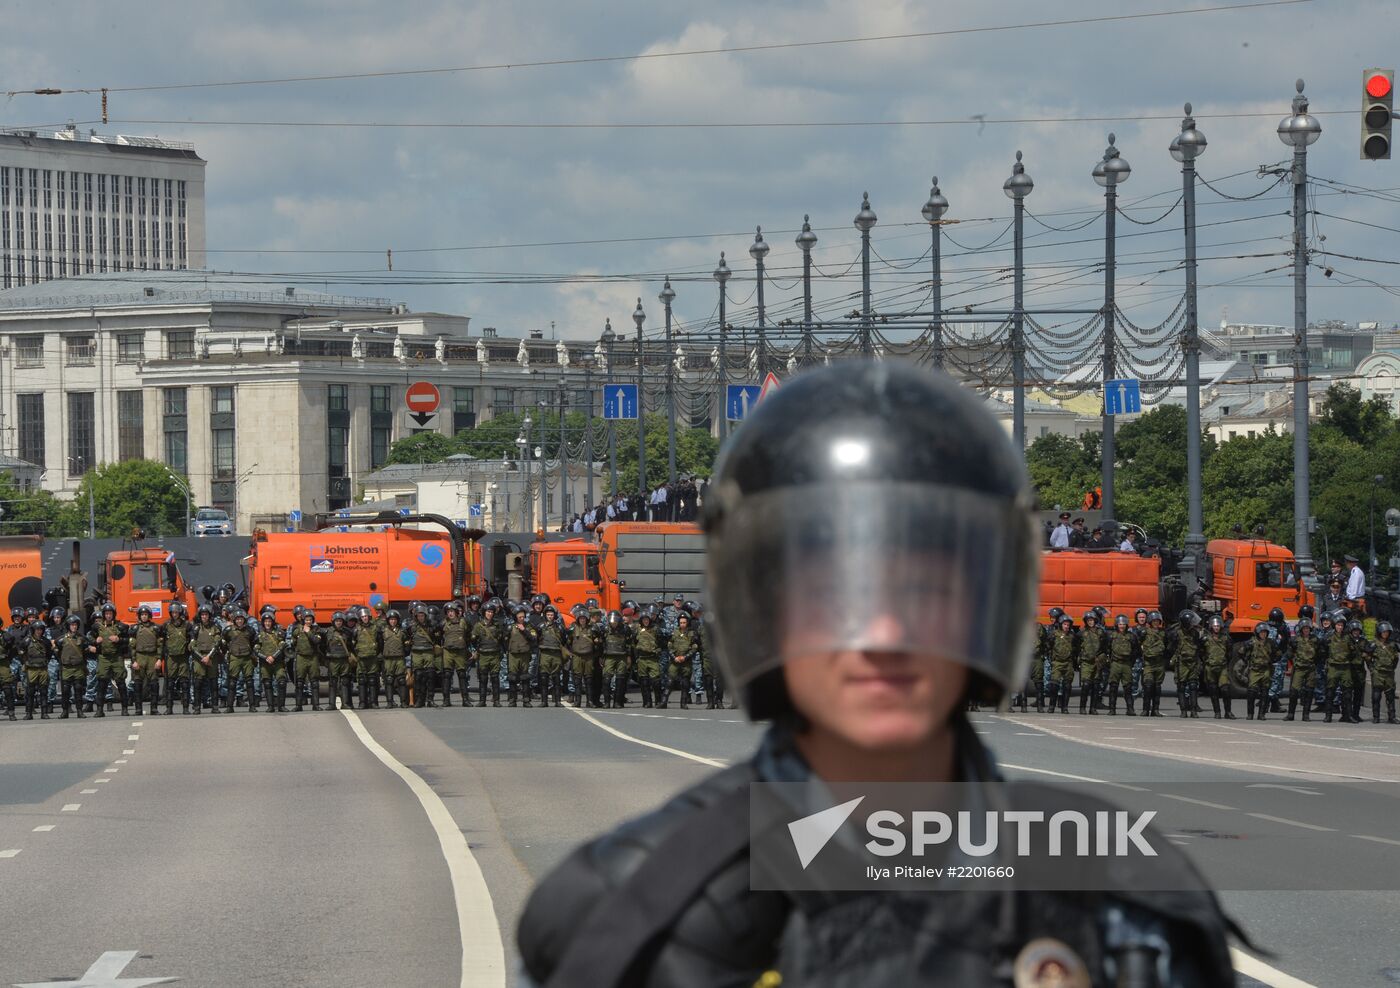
[425, 447]
[695, 453]
[35, 512]
[128, 495]
[1360, 421]
[1063, 469]
[1150, 486]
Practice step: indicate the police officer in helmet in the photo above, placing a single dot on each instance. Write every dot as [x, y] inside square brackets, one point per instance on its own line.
[883, 476]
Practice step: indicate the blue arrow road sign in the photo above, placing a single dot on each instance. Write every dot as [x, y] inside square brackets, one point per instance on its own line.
[474, 509]
[619, 401]
[294, 514]
[1122, 397]
[739, 399]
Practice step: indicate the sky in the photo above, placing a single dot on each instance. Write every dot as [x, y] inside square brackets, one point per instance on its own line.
[299, 200]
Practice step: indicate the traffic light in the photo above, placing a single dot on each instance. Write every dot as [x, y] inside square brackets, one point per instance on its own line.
[1377, 103]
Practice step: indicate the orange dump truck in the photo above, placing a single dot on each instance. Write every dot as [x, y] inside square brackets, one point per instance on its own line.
[133, 578]
[636, 560]
[330, 570]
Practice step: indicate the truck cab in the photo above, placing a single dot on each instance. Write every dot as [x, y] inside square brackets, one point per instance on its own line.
[136, 577]
[1250, 577]
[627, 559]
[569, 573]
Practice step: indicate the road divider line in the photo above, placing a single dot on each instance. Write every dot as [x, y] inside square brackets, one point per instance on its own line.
[128, 751]
[1292, 823]
[120, 761]
[1077, 778]
[87, 792]
[101, 780]
[10, 853]
[1378, 840]
[1197, 802]
[133, 737]
[1253, 967]
[713, 762]
[43, 828]
[483, 953]
[72, 807]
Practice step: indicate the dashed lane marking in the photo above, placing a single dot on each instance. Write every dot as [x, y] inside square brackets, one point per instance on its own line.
[128, 751]
[72, 807]
[713, 762]
[111, 770]
[87, 792]
[1197, 802]
[483, 953]
[133, 737]
[120, 761]
[1292, 823]
[43, 828]
[101, 780]
[1378, 840]
[1077, 778]
[137, 723]
[10, 853]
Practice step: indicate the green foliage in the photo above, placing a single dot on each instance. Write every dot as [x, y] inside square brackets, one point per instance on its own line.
[35, 513]
[127, 495]
[1359, 421]
[1063, 469]
[497, 437]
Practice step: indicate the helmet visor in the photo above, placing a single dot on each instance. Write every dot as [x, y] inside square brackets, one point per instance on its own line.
[880, 567]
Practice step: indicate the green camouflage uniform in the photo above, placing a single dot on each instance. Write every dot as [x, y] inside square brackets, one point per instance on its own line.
[520, 644]
[177, 663]
[1304, 665]
[35, 653]
[306, 646]
[685, 645]
[206, 640]
[1062, 662]
[486, 642]
[72, 651]
[551, 638]
[427, 659]
[145, 654]
[340, 647]
[367, 664]
[1383, 659]
[393, 646]
[238, 646]
[617, 655]
[273, 663]
[1154, 656]
[456, 656]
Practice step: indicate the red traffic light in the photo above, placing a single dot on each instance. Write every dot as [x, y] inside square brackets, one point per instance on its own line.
[1378, 86]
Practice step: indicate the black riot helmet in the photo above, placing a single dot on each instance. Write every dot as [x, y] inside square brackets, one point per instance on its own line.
[1276, 617]
[870, 471]
[1306, 612]
[1384, 631]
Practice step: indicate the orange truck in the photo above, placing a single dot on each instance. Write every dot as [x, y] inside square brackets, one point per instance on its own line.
[21, 572]
[331, 570]
[636, 560]
[136, 578]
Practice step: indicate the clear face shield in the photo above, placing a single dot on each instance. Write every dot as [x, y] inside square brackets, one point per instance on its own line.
[874, 566]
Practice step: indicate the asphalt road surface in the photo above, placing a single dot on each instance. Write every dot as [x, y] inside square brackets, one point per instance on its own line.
[397, 847]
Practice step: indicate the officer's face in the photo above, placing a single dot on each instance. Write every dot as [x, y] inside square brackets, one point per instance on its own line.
[877, 701]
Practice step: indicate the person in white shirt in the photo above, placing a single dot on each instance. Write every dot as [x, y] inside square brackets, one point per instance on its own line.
[1356, 580]
[1059, 538]
[1129, 543]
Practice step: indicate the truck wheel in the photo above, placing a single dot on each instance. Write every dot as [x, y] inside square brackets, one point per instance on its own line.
[1238, 670]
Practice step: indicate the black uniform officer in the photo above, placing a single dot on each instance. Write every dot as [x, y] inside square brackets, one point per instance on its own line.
[883, 475]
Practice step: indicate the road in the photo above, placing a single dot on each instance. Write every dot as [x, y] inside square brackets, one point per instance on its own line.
[395, 847]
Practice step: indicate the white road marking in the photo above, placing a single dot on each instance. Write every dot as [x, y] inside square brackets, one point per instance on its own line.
[111, 770]
[87, 792]
[133, 737]
[43, 829]
[1196, 802]
[483, 953]
[1290, 739]
[1293, 823]
[105, 972]
[120, 761]
[1241, 742]
[137, 723]
[1077, 778]
[101, 780]
[1253, 967]
[1117, 738]
[10, 853]
[1378, 840]
[1300, 790]
[1030, 734]
[72, 807]
[713, 762]
[128, 751]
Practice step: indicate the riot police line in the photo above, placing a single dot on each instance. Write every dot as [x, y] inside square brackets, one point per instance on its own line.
[223, 659]
[1329, 655]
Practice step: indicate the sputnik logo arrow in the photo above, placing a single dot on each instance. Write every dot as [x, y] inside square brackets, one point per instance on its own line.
[423, 418]
[812, 833]
[104, 973]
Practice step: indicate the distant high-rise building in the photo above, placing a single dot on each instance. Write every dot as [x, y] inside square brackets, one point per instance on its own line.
[74, 203]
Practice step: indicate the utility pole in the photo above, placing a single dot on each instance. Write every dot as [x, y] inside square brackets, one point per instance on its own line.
[722, 274]
[1111, 172]
[588, 428]
[639, 317]
[608, 339]
[1186, 147]
[1298, 131]
[563, 459]
[1017, 187]
[933, 212]
[865, 221]
[667, 296]
[758, 251]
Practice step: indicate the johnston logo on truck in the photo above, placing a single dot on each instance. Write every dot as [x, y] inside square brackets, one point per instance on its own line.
[320, 562]
[342, 558]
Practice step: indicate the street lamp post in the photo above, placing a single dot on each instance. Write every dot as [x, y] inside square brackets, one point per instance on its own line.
[1186, 147]
[758, 250]
[639, 317]
[563, 459]
[539, 455]
[522, 441]
[189, 510]
[933, 212]
[1017, 187]
[588, 427]
[1298, 131]
[1110, 172]
[722, 274]
[1376, 482]
[805, 241]
[865, 222]
[667, 296]
[609, 337]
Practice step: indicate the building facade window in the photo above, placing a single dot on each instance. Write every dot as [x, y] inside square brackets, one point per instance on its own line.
[221, 400]
[175, 424]
[131, 347]
[463, 409]
[29, 350]
[337, 398]
[381, 424]
[131, 426]
[223, 454]
[337, 445]
[502, 401]
[82, 447]
[179, 344]
[30, 408]
[379, 398]
[80, 351]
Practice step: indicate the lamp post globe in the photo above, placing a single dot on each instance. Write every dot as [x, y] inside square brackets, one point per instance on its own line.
[608, 335]
[722, 273]
[937, 205]
[1019, 185]
[1300, 128]
[865, 219]
[668, 294]
[1190, 144]
[638, 315]
[806, 240]
[1113, 169]
[758, 250]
